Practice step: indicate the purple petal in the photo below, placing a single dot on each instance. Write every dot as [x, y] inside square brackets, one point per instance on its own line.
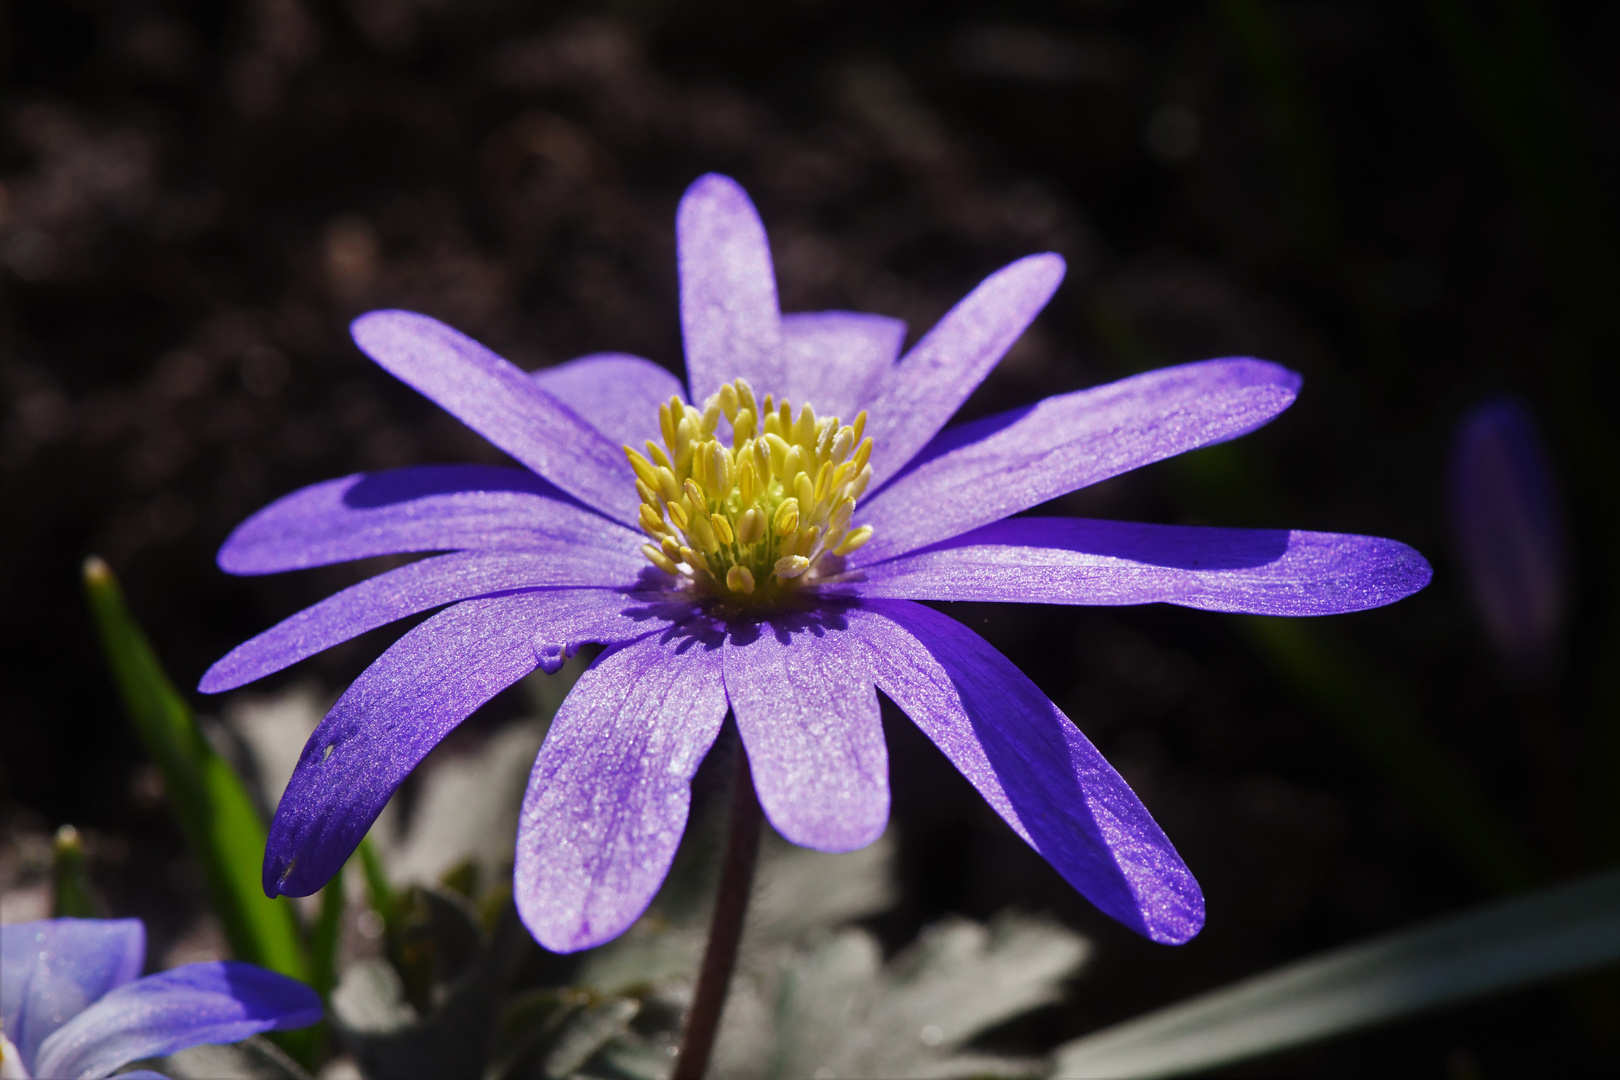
[729, 314]
[399, 708]
[616, 393]
[986, 470]
[1507, 523]
[219, 1002]
[503, 404]
[919, 395]
[808, 713]
[425, 508]
[1080, 561]
[1032, 765]
[836, 359]
[608, 798]
[52, 970]
[408, 590]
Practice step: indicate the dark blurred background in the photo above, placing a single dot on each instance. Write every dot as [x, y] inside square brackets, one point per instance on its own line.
[1409, 203]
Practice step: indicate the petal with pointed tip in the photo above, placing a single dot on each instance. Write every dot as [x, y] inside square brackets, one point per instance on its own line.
[992, 468]
[502, 403]
[1081, 561]
[1032, 765]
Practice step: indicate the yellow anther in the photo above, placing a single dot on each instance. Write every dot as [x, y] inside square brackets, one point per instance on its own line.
[823, 480]
[667, 487]
[719, 469]
[864, 454]
[666, 424]
[858, 485]
[652, 520]
[787, 517]
[842, 445]
[702, 532]
[745, 395]
[739, 579]
[855, 539]
[778, 448]
[659, 559]
[749, 518]
[645, 471]
[804, 432]
[791, 566]
[826, 431]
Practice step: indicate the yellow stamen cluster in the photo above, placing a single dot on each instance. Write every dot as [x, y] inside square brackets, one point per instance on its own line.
[751, 521]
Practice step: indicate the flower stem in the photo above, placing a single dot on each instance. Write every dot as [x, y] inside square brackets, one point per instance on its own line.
[736, 879]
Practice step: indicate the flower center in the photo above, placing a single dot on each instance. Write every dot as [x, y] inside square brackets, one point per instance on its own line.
[753, 521]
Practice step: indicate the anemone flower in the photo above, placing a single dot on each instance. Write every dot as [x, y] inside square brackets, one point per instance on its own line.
[737, 545]
[71, 1005]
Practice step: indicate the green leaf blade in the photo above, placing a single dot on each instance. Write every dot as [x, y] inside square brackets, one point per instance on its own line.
[1512, 943]
[221, 825]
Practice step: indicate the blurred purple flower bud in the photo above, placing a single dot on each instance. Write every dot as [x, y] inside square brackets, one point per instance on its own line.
[1508, 526]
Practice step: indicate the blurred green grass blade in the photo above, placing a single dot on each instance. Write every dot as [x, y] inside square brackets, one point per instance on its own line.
[221, 825]
[1388, 729]
[72, 895]
[324, 938]
[1501, 946]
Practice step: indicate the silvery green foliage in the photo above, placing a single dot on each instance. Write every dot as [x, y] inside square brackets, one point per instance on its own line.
[256, 1058]
[812, 995]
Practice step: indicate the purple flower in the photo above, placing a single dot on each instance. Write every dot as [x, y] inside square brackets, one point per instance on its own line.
[1508, 528]
[729, 567]
[71, 1005]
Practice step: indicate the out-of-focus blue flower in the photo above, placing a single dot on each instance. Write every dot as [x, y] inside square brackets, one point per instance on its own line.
[1508, 526]
[71, 1005]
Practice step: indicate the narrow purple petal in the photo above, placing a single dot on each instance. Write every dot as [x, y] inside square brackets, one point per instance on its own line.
[836, 359]
[424, 508]
[399, 708]
[729, 314]
[616, 393]
[1081, 561]
[608, 798]
[1032, 765]
[988, 469]
[409, 590]
[916, 397]
[218, 1002]
[503, 404]
[52, 970]
[807, 711]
